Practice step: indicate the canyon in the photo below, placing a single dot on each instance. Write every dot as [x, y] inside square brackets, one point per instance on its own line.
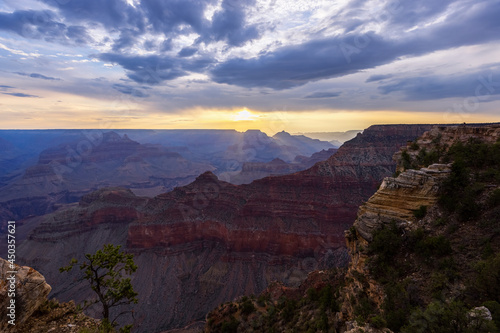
[42, 170]
[210, 241]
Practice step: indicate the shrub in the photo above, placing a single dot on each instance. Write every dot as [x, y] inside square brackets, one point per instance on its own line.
[420, 212]
[414, 145]
[396, 306]
[494, 199]
[494, 308]
[230, 326]
[486, 281]
[386, 242]
[364, 307]
[378, 322]
[441, 317]
[427, 158]
[433, 246]
[407, 164]
[247, 307]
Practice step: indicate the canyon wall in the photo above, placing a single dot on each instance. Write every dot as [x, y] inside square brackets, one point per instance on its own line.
[210, 241]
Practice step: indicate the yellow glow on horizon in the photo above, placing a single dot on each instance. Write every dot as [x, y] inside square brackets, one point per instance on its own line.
[104, 116]
[244, 115]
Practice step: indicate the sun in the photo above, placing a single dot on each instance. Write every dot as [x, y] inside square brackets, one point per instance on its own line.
[244, 115]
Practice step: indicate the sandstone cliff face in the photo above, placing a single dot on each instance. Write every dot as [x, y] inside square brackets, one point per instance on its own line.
[30, 291]
[211, 241]
[396, 200]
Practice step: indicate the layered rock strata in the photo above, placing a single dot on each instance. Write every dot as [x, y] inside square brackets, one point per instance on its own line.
[208, 242]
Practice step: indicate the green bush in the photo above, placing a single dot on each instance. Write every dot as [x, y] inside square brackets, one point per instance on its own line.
[494, 199]
[425, 158]
[230, 326]
[433, 246]
[247, 307]
[396, 306]
[441, 317]
[414, 146]
[378, 322]
[420, 212]
[386, 242]
[486, 281]
[494, 308]
[407, 163]
[364, 307]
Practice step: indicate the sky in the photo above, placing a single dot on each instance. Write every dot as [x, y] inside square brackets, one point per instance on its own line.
[298, 66]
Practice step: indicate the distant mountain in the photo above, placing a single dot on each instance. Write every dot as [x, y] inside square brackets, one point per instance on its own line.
[46, 169]
[251, 171]
[66, 172]
[210, 241]
[335, 138]
[302, 142]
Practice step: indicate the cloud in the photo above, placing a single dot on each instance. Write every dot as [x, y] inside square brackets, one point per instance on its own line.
[3, 88]
[155, 69]
[187, 51]
[293, 66]
[42, 24]
[323, 94]
[147, 69]
[20, 95]
[129, 90]
[169, 16]
[337, 56]
[408, 13]
[481, 84]
[38, 76]
[229, 24]
[379, 77]
[112, 14]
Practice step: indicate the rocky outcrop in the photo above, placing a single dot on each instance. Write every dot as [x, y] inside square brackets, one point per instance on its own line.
[395, 201]
[440, 138]
[22, 291]
[211, 241]
[398, 198]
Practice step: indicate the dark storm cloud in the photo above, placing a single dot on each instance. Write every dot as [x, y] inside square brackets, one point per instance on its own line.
[380, 77]
[167, 16]
[297, 65]
[129, 90]
[42, 24]
[155, 69]
[187, 51]
[110, 13]
[20, 95]
[147, 69]
[38, 76]
[323, 94]
[229, 24]
[128, 37]
[479, 84]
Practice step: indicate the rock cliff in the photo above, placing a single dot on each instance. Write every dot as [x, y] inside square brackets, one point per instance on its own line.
[418, 261]
[211, 241]
[33, 312]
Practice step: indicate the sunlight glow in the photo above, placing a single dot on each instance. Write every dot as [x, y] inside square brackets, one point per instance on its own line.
[245, 115]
